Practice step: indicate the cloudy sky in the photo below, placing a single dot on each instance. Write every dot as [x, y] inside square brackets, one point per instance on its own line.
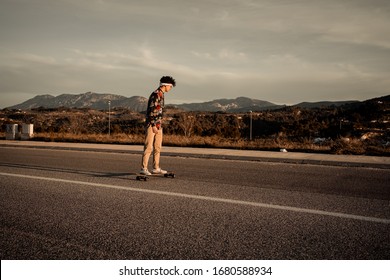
[282, 51]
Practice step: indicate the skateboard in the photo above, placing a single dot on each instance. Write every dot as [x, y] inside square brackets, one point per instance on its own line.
[142, 177]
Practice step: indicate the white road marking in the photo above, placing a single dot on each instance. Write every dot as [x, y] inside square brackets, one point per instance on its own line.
[208, 198]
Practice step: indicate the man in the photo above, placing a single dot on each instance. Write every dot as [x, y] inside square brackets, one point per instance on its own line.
[154, 131]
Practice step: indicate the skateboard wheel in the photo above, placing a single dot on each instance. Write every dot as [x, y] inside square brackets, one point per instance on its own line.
[139, 178]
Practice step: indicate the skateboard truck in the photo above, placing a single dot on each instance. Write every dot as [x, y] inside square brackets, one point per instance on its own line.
[169, 175]
[141, 177]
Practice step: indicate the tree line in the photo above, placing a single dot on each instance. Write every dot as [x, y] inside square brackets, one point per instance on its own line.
[293, 123]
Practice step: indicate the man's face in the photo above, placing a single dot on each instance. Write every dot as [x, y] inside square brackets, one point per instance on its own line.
[167, 88]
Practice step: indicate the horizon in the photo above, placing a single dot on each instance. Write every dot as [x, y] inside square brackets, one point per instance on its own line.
[279, 51]
[179, 102]
[185, 103]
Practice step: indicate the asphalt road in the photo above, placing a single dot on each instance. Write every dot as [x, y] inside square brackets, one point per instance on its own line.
[87, 205]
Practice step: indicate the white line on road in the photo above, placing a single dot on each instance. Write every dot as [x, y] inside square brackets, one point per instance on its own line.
[208, 198]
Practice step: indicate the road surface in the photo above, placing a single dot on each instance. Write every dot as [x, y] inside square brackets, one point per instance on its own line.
[58, 204]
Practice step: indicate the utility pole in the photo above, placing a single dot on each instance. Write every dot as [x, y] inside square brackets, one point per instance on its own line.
[250, 126]
[109, 118]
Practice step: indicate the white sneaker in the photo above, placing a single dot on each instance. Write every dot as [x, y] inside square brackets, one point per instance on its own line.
[144, 171]
[159, 171]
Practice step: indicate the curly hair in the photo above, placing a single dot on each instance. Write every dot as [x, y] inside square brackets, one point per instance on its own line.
[168, 80]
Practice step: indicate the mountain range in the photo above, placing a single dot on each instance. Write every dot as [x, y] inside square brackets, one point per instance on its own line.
[100, 101]
[91, 100]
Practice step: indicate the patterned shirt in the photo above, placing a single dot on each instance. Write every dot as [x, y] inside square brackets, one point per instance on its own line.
[154, 113]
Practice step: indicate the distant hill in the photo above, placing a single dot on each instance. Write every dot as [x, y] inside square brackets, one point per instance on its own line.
[320, 104]
[85, 100]
[100, 101]
[240, 104]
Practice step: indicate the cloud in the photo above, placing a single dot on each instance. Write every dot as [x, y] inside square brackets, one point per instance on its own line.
[221, 55]
[279, 50]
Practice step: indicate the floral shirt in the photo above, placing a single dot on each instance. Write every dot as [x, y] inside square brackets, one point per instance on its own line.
[154, 113]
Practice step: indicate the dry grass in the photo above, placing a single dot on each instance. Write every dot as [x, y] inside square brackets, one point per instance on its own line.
[182, 141]
[338, 146]
[118, 138]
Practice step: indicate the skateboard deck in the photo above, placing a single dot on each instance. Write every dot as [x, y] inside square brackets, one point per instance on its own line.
[142, 177]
